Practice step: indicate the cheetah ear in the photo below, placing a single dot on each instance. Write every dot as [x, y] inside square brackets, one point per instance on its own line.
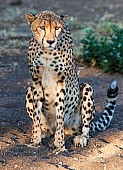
[64, 18]
[30, 18]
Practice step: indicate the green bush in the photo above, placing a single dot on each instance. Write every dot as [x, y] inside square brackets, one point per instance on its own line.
[105, 52]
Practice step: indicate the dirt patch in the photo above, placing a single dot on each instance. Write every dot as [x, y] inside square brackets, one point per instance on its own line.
[105, 150]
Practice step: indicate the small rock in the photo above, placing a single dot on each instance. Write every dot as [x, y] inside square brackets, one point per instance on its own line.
[75, 159]
[16, 166]
[61, 163]
[16, 2]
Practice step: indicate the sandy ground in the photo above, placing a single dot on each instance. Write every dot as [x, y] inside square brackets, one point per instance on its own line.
[105, 149]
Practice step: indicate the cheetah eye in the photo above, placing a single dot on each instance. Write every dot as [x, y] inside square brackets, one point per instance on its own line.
[57, 28]
[42, 27]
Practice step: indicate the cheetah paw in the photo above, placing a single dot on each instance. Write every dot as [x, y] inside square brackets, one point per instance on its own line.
[58, 149]
[81, 140]
[35, 141]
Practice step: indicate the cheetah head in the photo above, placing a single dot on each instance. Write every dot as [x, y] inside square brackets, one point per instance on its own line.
[46, 27]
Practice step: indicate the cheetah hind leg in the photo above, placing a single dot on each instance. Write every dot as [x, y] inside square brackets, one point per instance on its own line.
[87, 110]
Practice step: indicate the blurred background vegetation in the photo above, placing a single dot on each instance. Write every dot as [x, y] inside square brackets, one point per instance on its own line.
[98, 42]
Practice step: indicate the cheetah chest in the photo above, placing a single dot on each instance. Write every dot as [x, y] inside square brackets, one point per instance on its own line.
[49, 83]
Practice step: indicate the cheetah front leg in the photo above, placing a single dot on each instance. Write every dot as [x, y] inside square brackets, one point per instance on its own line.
[29, 101]
[59, 141]
[34, 99]
[87, 110]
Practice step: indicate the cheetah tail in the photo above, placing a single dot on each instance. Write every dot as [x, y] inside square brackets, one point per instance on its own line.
[108, 113]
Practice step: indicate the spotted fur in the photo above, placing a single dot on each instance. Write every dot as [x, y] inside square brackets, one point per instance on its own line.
[56, 102]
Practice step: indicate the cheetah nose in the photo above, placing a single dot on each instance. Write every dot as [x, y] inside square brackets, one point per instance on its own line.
[50, 42]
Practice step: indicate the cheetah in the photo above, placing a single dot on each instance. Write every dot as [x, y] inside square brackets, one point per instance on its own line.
[55, 101]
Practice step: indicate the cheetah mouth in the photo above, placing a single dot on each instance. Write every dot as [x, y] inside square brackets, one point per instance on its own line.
[50, 48]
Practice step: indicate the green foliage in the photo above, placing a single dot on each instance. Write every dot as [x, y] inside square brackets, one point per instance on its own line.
[105, 52]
